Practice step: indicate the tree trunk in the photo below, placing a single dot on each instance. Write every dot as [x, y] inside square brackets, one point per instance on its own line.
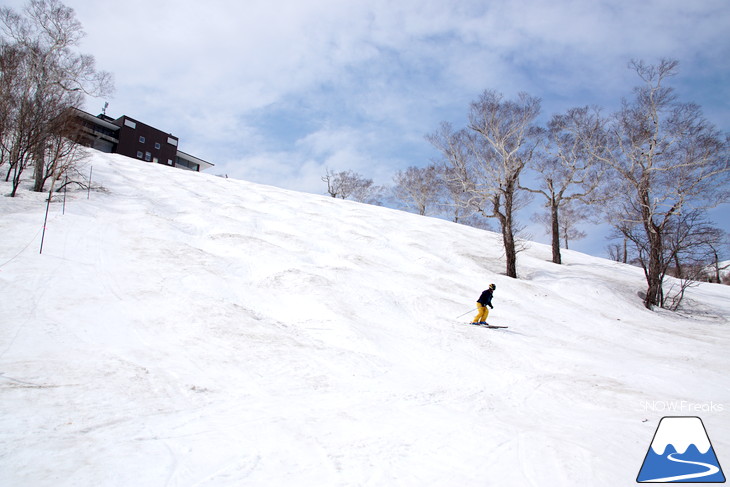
[654, 291]
[510, 250]
[16, 180]
[39, 170]
[654, 278]
[716, 264]
[556, 232]
[678, 266]
[508, 237]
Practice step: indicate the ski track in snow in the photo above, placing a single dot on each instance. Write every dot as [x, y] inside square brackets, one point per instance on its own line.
[187, 330]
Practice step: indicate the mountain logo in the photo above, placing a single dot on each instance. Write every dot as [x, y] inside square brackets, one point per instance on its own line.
[681, 452]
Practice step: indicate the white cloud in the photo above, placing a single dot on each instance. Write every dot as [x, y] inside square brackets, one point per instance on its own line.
[278, 90]
[359, 82]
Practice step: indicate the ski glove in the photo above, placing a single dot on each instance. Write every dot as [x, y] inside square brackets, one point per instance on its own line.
[491, 306]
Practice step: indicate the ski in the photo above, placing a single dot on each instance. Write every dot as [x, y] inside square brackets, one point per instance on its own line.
[486, 325]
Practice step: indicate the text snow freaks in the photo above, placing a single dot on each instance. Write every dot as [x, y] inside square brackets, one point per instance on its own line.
[682, 407]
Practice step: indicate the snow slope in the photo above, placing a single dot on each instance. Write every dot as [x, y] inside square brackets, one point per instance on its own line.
[181, 329]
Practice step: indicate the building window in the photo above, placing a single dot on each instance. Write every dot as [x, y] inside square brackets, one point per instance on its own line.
[141, 139]
[139, 154]
[130, 124]
[172, 141]
[157, 145]
[147, 156]
[187, 164]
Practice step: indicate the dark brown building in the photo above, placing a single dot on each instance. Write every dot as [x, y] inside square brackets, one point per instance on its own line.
[132, 138]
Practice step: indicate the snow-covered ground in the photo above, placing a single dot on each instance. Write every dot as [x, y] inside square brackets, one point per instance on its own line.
[181, 329]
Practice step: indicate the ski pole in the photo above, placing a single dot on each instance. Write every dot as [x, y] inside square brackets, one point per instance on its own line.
[470, 311]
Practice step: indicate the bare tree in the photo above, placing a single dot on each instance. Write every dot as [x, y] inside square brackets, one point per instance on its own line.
[568, 171]
[456, 198]
[370, 193]
[489, 157]
[10, 63]
[455, 168]
[716, 267]
[504, 143]
[419, 188]
[333, 184]
[571, 214]
[349, 184]
[18, 137]
[48, 78]
[689, 241]
[617, 252]
[669, 159]
[690, 244]
[63, 156]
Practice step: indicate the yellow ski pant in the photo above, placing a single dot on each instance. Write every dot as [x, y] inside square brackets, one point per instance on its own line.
[482, 313]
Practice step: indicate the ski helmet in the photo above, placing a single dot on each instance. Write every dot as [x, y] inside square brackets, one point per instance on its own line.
[492, 287]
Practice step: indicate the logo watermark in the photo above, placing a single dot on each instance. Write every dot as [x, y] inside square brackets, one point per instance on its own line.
[682, 407]
[681, 451]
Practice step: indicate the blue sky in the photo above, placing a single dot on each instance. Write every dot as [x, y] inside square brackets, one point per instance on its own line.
[277, 91]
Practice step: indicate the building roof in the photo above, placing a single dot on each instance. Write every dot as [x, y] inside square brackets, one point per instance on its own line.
[203, 164]
[98, 120]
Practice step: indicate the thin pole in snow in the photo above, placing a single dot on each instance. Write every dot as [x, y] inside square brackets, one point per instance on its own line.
[88, 190]
[45, 220]
[65, 185]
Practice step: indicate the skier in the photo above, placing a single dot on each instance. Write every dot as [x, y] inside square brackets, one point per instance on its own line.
[484, 300]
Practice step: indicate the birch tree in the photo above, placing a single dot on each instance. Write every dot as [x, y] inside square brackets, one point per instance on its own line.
[716, 267]
[419, 188]
[571, 215]
[47, 79]
[489, 156]
[352, 185]
[668, 159]
[567, 171]
[455, 168]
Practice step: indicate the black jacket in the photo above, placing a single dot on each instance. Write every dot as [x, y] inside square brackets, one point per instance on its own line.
[486, 298]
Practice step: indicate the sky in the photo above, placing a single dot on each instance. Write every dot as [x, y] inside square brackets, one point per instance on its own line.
[276, 92]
